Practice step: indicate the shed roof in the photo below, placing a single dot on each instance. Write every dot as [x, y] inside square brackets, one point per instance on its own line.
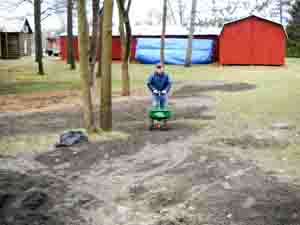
[254, 16]
[146, 30]
[12, 25]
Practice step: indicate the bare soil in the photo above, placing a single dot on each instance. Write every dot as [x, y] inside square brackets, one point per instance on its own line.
[173, 177]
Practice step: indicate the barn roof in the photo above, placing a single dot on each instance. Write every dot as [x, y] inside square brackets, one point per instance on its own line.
[249, 16]
[256, 16]
[146, 30]
[14, 25]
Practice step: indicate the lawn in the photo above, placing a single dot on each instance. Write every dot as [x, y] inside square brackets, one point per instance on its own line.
[276, 95]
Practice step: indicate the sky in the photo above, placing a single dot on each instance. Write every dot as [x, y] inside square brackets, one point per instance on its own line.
[140, 11]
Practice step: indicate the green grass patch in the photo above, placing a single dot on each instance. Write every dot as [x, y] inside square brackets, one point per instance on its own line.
[36, 143]
[108, 136]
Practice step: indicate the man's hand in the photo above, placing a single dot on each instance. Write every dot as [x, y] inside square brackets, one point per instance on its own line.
[155, 91]
[164, 92]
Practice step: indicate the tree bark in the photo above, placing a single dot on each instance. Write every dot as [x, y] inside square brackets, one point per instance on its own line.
[189, 49]
[99, 72]
[106, 112]
[84, 66]
[38, 37]
[100, 44]
[71, 60]
[125, 35]
[94, 39]
[163, 35]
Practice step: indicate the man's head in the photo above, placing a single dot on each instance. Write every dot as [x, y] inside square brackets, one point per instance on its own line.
[159, 69]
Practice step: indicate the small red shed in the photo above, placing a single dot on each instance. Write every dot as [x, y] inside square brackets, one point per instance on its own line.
[252, 41]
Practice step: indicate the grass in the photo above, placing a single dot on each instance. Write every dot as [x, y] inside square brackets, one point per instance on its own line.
[19, 76]
[37, 143]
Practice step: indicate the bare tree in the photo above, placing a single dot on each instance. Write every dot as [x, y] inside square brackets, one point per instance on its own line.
[94, 39]
[163, 34]
[71, 60]
[125, 34]
[83, 32]
[106, 95]
[189, 49]
[100, 49]
[38, 36]
[181, 11]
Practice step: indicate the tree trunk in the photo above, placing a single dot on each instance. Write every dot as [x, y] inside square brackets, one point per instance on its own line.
[71, 60]
[125, 79]
[189, 49]
[38, 36]
[163, 35]
[181, 12]
[94, 40]
[83, 34]
[99, 72]
[100, 44]
[106, 112]
[125, 35]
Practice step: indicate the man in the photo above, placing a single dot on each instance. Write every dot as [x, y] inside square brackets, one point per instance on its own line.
[159, 84]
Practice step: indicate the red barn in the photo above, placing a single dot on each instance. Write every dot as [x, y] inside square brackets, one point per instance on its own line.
[252, 41]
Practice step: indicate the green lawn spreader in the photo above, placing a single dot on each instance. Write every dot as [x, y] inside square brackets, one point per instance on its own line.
[159, 118]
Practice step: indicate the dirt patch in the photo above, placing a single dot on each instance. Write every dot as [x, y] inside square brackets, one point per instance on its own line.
[196, 88]
[258, 139]
[37, 101]
[149, 178]
[46, 101]
[33, 199]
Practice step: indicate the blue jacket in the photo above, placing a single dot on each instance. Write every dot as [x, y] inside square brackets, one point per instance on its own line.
[159, 82]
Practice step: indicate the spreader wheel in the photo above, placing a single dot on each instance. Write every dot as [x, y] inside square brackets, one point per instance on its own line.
[165, 125]
[151, 125]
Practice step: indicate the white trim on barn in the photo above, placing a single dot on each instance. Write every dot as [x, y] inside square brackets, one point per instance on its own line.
[146, 30]
[253, 15]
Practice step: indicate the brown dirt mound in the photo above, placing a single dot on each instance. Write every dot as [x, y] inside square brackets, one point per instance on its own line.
[258, 139]
[196, 88]
[36, 200]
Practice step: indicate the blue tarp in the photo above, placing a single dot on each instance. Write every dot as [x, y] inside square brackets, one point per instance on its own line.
[148, 51]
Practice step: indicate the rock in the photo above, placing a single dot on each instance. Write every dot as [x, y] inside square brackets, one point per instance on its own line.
[136, 189]
[106, 156]
[163, 211]
[249, 203]
[203, 159]
[3, 198]
[281, 126]
[191, 208]
[34, 199]
[182, 206]
[226, 186]
[62, 166]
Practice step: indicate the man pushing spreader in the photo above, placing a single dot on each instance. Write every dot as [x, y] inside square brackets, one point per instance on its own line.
[159, 83]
